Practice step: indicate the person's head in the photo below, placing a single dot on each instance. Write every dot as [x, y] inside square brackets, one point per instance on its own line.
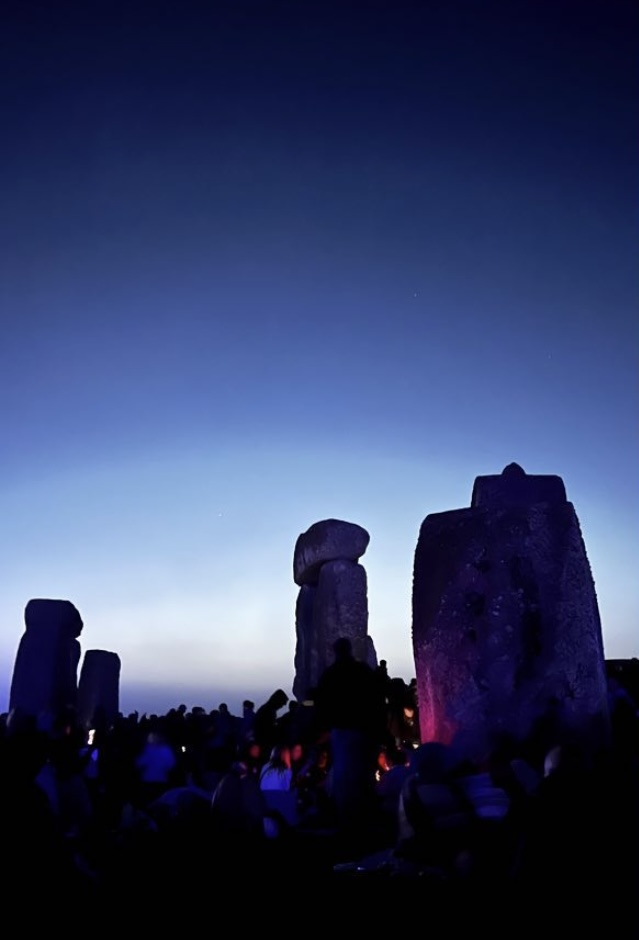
[297, 752]
[251, 755]
[278, 699]
[280, 757]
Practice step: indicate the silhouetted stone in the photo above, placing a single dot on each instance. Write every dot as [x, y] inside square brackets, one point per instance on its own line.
[514, 487]
[306, 651]
[341, 610]
[99, 688]
[332, 601]
[45, 673]
[328, 540]
[506, 628]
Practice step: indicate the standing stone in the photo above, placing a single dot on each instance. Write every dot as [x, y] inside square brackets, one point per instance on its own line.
[514, 487]
[328, 540]
[506, 629]
[306, 652]
[341, 610]
[44, 679]
[333, 599]
[99, 688]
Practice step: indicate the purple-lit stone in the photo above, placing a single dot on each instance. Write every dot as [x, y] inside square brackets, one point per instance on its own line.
[333, 598]
[506, 627]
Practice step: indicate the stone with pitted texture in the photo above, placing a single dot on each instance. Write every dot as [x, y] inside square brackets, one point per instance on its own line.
[341, 610]
[328, 540]
[506, 630]
[332, 601]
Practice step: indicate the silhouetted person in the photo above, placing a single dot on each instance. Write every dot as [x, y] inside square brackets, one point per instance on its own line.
[383, 678]
[238, 811]
[265, 729]
[351, 707]
[247, 721]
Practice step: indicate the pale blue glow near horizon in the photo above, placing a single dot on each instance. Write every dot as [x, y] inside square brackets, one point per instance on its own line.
[184, 566]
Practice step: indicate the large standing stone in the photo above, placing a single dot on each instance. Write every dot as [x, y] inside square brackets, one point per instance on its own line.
[328, 540]
[332, 601]
[99, 688]
[514, 487]
[45, 673]
[341, 610]
[506, 628]
[306, 651]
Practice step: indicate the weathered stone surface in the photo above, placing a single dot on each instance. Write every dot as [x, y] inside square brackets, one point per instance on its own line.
[514, 487]
[306, 653]
[332, 601]
[99, 688]
[45, 673]
[328, 540]
[337, 606]
[341, 609]
[506, 628]
[364, 650]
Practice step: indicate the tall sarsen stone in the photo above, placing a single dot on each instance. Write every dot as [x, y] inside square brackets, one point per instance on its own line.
[328, 540]
[45, 673]
[307, 654]
[333, 598]
[99, 688]
[506, 628]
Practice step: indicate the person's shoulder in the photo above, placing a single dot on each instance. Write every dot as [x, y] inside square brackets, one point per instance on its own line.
[327, 674]
[364, 669]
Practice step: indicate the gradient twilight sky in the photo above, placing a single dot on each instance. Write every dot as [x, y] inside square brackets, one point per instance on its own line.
[267, 263]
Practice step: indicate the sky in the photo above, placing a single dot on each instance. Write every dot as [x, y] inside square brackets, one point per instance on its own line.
[266, 263]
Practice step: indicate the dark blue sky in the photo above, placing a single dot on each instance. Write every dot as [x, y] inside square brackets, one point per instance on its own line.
[263, 263]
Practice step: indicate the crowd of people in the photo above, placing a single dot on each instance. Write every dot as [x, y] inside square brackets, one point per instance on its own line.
[337, 789]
